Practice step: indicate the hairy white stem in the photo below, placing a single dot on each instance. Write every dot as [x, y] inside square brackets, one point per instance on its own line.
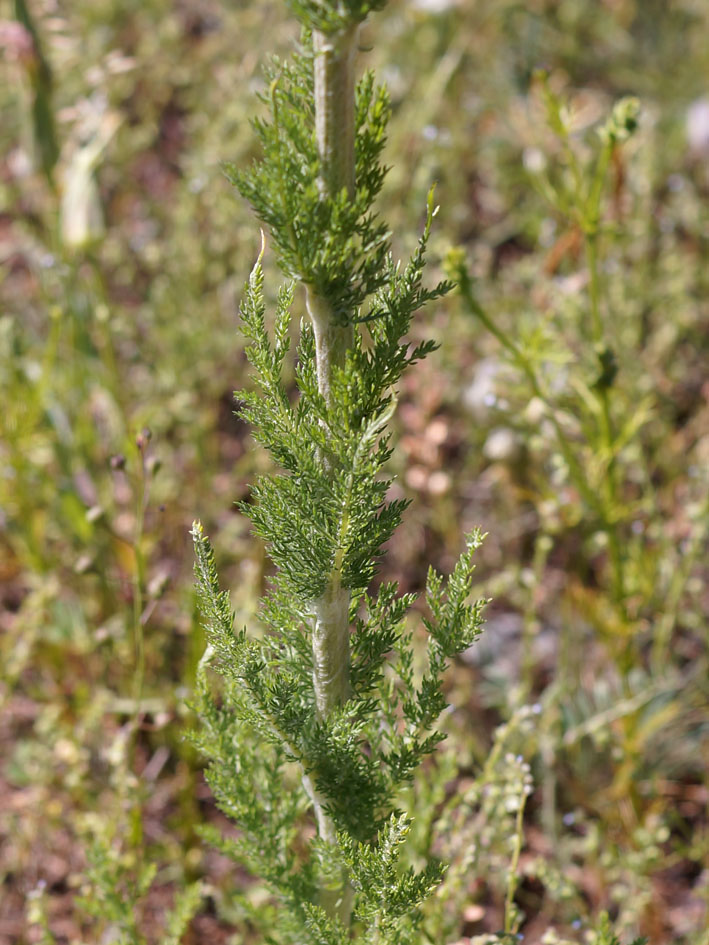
[331, 648]
[331, 665]
[334, 121]
[335, 132]
[332, 340]
[334, 108]
[336, 893]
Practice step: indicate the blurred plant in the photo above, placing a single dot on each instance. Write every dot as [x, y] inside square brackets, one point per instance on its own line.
[116, 885]
[81, 216]
[581, 384]
[478, 829]
[593, 410]
[602, 935]
[606, 936]
[588, 436]
[26, 48]
[113, 894]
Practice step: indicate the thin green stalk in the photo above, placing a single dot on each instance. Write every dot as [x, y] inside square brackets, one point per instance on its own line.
[510, 910]
[524, 365]
[139, 583]
[602, 505]
[607, 438]
[139, 619]
[138, 635]
[104, 341]
[542, 549]
[583, 204]
[680, 577]
[547, 749]
[590, 226]
[594, 287]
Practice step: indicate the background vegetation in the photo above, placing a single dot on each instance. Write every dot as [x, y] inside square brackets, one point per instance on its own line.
[582, 452]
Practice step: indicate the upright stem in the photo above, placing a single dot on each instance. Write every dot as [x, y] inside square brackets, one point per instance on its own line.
[331, 657]
[334, 108]
[332, 341]
[334, 77]
[606, 423]
[334, 124]
[335, 131]
[606, 430]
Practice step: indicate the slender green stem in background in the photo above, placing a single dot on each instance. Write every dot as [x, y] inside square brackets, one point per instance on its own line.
[607, 438]
[139, 576]
[104, 338]
[542, 549]
[591, 225]
[678, 584]
[581, 204]
[523, 363]
[138, 635]
[547, 750]
[511, 920]
[594, 286]
[44, 130]
[605, 504]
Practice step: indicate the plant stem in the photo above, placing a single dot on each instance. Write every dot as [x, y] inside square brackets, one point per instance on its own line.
[511, 920]
[542, 548]
[607, 438]
[331, 647]
[524, 364]
[677, 587]
[334, 108]
[335, 132]
[334, 123]
[332, 341]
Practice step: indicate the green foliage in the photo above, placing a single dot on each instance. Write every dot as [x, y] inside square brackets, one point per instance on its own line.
[116, 889]
[40, 75]
[325, 520]
[312, 520]
[331, 17]
[137, 330]
[584, 400]
[117, 882]
[357, 758]
[606, 935]
[337, 246]
[387, 898]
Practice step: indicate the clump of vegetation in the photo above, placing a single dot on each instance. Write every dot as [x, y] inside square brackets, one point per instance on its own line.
[565, 411]
[349, 709]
